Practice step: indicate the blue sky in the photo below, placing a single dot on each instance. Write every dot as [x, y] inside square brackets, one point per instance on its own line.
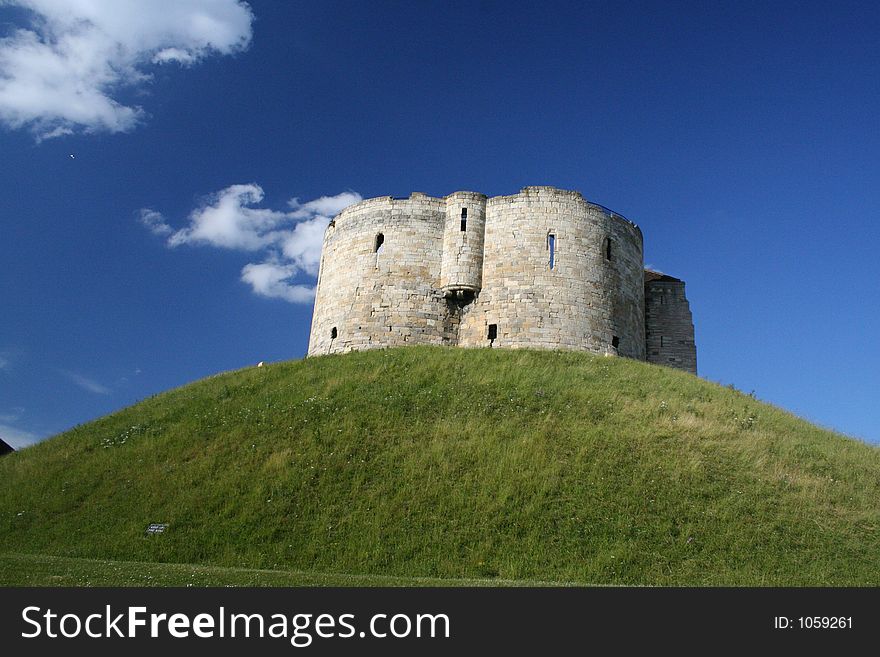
[167, 168]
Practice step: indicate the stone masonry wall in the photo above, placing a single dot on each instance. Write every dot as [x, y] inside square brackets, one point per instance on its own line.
[385, 298]
[624, 269]
[571, 305]
[669, 326]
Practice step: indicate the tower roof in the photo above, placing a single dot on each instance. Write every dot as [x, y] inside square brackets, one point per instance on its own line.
[651, 275]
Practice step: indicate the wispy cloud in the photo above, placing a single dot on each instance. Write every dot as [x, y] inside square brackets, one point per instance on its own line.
[86, 383]
[11, 414]
[17, 438]
[11, 433]
[61, 73]
[274, 280]
[289, 240]
[10, 357]
[154, 222]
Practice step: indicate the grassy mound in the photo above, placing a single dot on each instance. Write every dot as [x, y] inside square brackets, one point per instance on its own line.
[427, 464]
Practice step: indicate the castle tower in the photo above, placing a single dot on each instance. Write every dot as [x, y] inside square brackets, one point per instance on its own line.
[461, 270]
[669, 326]
[541, 269]
[558, 273]
[377, 283]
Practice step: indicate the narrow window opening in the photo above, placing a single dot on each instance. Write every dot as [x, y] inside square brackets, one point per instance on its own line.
[615, 342]
[551, 246]
[379, 247]
[333, 333]
[493, 332]
[662, 341]
[464, 213]
[463, 225]
[607, 248]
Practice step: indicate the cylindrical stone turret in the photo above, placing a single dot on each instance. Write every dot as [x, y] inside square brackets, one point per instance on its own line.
[380, 265]
[461, 270]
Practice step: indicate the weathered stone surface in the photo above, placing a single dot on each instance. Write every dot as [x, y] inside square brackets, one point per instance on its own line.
[669, 327]
[458, 269]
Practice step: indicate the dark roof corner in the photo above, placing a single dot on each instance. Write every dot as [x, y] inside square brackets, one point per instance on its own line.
[651, 275]
[4, 448]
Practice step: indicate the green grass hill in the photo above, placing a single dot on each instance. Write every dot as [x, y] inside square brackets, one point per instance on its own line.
[433, 466]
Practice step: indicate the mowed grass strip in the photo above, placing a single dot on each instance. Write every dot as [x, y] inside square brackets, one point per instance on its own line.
[24, 570]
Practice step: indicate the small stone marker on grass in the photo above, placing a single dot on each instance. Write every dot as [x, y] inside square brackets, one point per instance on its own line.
[157, 528]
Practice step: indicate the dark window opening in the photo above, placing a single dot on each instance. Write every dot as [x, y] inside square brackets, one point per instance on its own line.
[380, 240]
[615, 342]
[493, 332]
[333, 333]
[463, 225]
[608, 248]
[551, 246]
[662, 341]
[464, 213]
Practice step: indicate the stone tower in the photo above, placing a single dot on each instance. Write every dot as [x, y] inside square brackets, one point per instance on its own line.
[543, 268]
[669, 326]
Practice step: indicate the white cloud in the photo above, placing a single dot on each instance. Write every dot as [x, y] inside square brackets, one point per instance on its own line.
[328, 206]
[227, 221]
[155, 222]
[4, 362]
[16, 438]
[174, 55]
[63, 72]
[269, 279]
[290, 241]
[86, 383]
